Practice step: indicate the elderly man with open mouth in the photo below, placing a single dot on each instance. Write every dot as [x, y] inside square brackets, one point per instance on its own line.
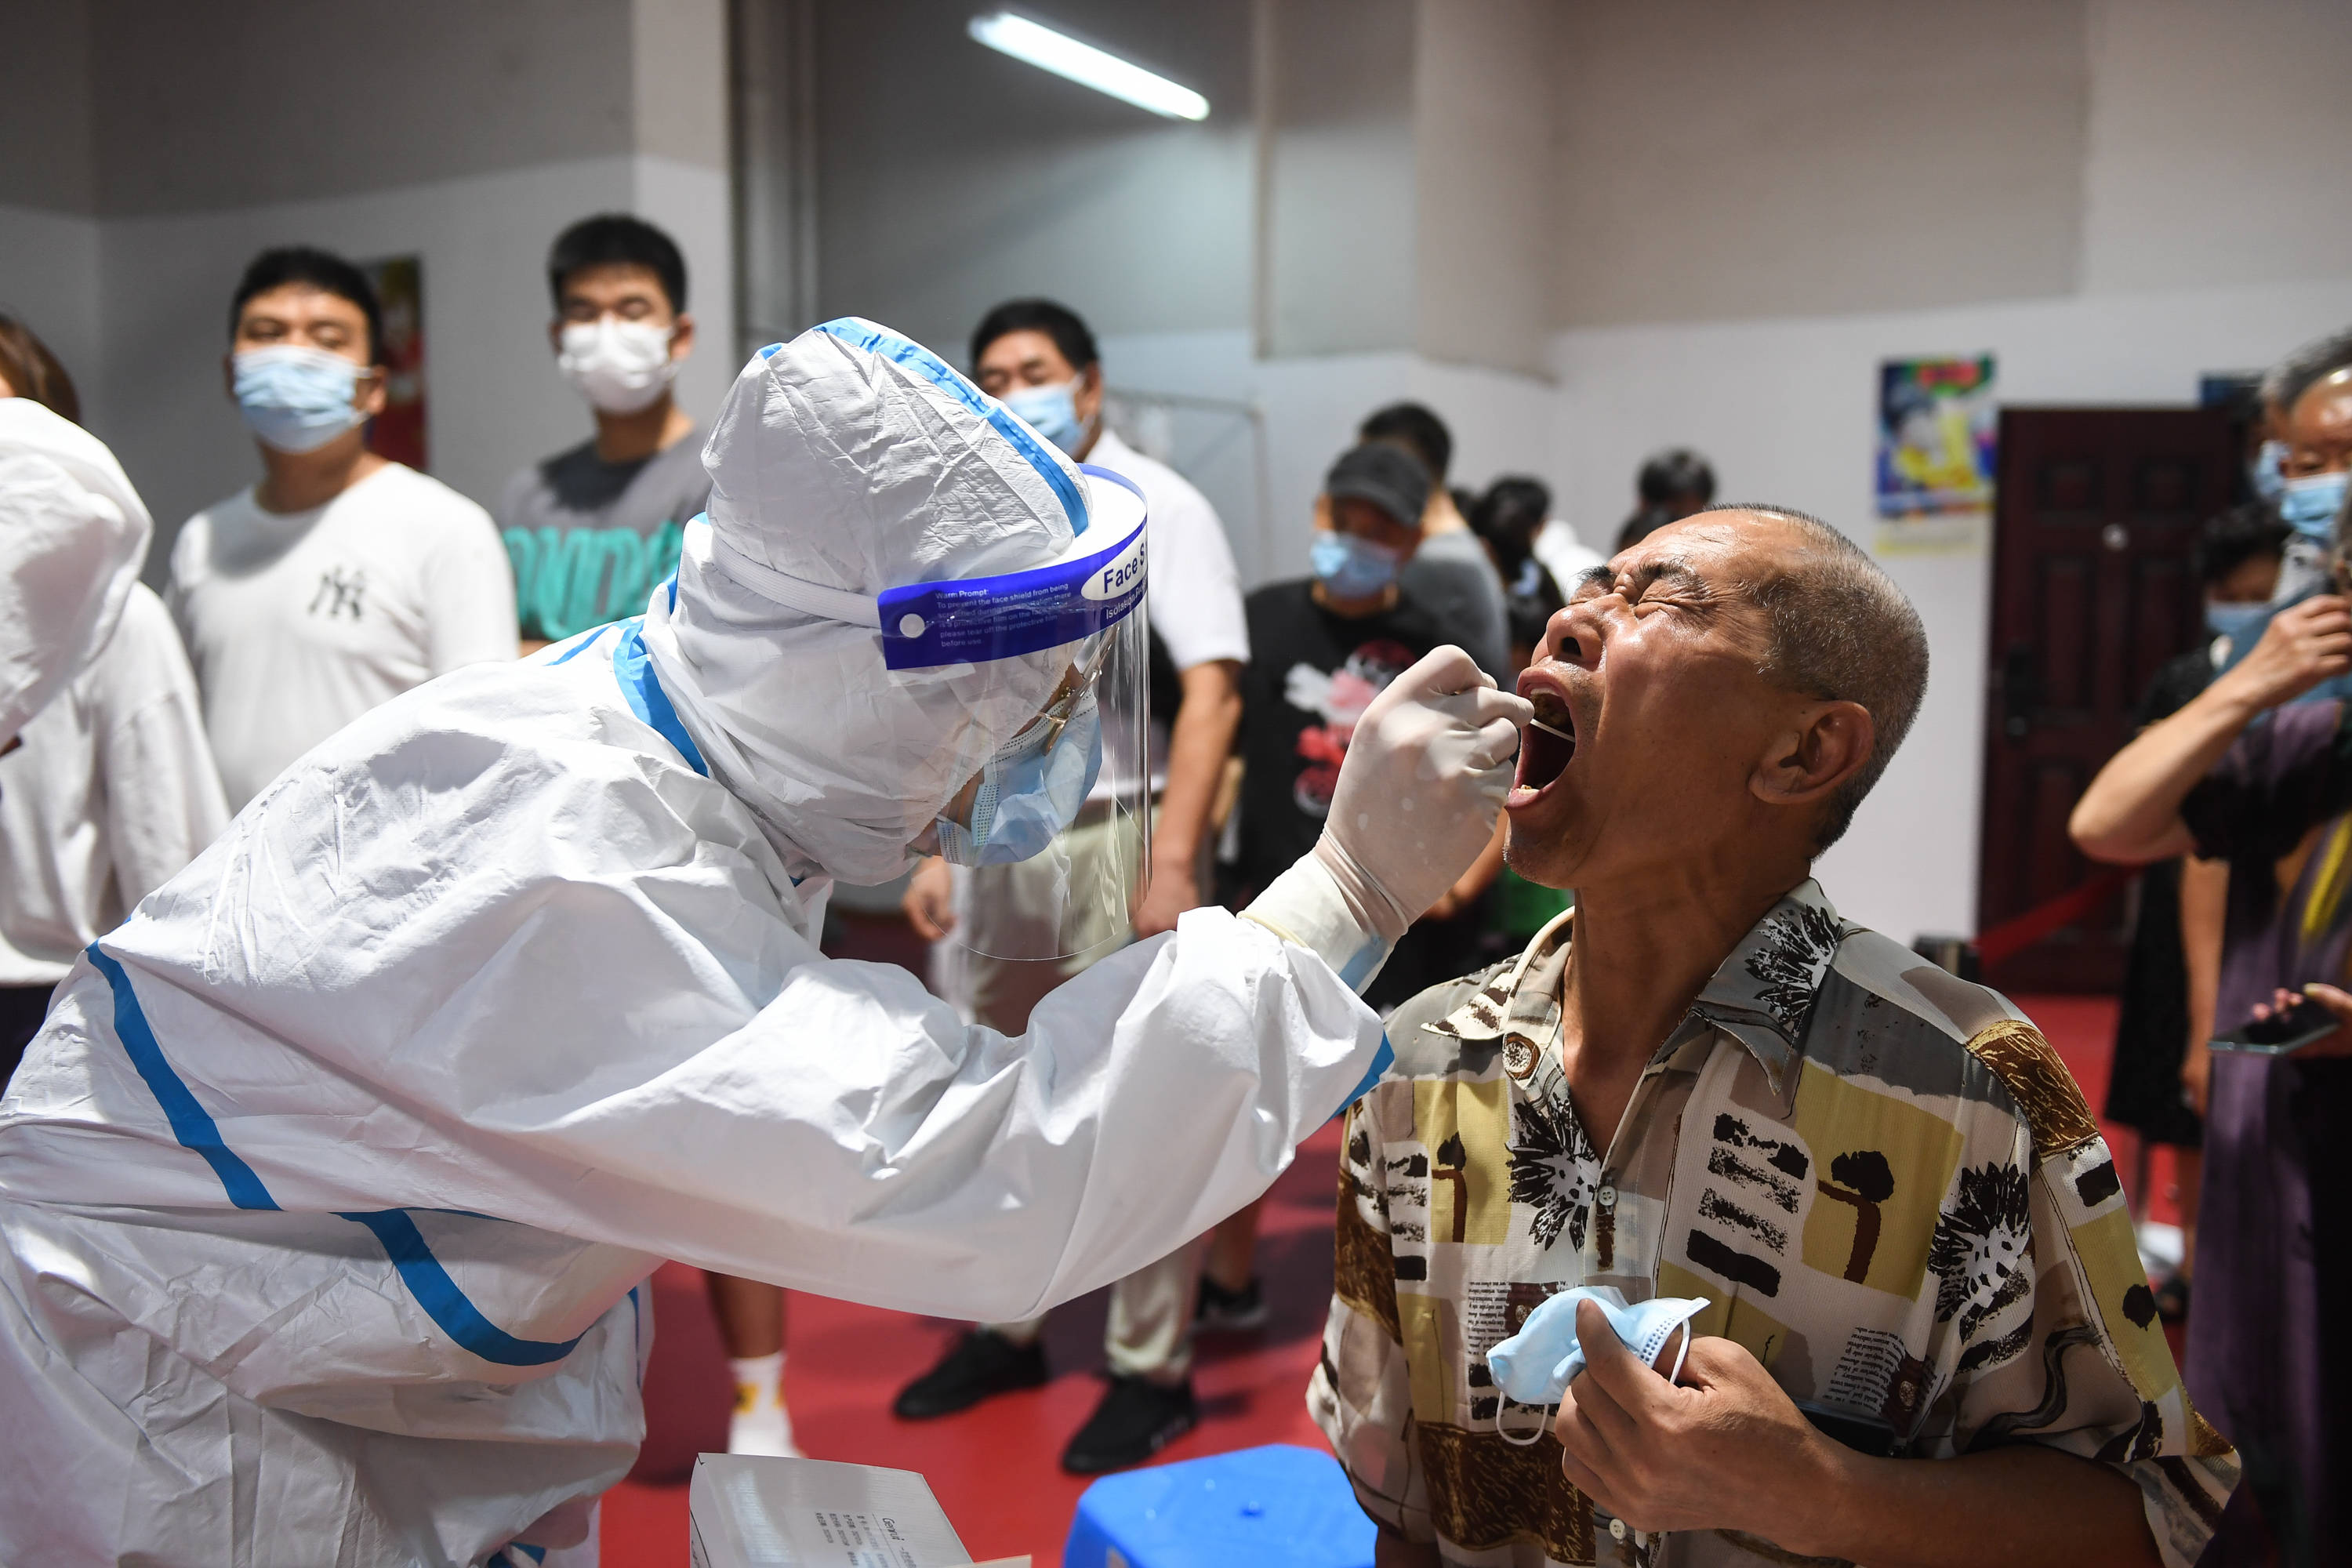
[1908, 1240]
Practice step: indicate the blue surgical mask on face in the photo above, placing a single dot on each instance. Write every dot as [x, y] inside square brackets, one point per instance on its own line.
[1051, 412]
[295, 399]
[1536, 1365]
[2310, 504]
[2240, 623]
[1351, 567]
[1028, 793]
[2267, 471]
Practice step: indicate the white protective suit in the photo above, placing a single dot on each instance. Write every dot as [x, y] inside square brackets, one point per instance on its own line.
[73, 535]
[327, 1190]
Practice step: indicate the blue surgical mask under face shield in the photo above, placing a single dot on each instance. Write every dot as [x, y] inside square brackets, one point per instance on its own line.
[1536, 1365]
[1029, 791]
[1351, 567]
[1051, 412]
[295, 399]
[2311, 504]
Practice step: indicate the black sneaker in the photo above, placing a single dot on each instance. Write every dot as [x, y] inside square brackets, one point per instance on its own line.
[1229, 1312]
[1136, 1419]
[979, 1364]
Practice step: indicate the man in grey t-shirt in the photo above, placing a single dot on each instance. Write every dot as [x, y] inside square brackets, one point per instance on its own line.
[590, 538]
[1451, 576]
[592, 529]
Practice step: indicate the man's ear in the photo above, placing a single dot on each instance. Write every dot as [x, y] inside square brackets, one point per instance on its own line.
[1827, 744]
[681, 341]
[374, 391]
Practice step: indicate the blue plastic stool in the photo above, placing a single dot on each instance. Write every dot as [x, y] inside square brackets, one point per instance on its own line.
[1276, 1507]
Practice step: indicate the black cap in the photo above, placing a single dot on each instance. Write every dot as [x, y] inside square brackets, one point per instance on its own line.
[1384, 474]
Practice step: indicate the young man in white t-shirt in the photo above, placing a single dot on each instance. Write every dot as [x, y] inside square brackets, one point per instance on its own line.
[342, 579]
[1041, 360]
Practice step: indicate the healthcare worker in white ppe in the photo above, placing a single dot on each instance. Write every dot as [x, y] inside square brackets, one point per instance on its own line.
[73, 533]
[328, 1189]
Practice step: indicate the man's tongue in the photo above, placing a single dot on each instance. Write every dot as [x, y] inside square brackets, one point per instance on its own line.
[1547, 744]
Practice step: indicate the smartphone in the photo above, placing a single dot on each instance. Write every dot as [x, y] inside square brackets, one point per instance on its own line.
[2282, 1033]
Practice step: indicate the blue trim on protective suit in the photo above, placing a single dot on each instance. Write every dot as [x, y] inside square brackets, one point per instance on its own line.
[447, 1305]
[1382, 1059]
[633, 669]
[587, 640]
[940, 373]
[429, 1282]
[192, 1124]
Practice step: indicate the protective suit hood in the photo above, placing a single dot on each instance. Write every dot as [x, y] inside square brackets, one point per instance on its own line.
[73, 535]
[848, 461]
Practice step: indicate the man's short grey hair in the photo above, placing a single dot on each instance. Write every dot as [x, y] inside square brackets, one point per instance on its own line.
[1841, 631]
[2287, 381]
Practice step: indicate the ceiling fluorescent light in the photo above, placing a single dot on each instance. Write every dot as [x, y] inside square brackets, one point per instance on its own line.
[1046, 49]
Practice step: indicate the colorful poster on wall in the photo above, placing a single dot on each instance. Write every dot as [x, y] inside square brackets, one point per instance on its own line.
[1938, 426]
[398, 432]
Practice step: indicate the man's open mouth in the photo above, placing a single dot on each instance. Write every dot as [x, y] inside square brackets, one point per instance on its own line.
[1548, 744]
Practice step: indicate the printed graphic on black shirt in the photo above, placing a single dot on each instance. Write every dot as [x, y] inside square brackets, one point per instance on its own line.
[1339, 699]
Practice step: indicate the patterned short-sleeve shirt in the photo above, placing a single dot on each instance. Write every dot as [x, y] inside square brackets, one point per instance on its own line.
[1881, 1178]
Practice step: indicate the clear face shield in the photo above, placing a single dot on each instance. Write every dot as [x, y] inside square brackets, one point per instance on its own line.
[1051, 826]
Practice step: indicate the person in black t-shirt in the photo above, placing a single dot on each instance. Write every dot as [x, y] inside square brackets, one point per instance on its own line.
[1322, 648]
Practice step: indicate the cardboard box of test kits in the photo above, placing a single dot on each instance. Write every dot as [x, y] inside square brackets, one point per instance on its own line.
[747, 1512]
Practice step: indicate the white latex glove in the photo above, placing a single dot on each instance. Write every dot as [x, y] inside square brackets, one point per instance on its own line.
[1423, 784]
[1416, 802]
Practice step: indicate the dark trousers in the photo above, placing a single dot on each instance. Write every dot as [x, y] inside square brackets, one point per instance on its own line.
[22, 1009]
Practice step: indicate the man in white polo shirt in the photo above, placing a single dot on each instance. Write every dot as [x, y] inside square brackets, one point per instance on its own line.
[1040, 358]
[342, 579]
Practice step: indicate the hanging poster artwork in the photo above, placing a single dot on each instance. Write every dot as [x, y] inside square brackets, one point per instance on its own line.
[398, 432]
[1938, 425]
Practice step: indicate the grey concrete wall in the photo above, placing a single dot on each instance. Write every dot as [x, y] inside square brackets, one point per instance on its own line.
[47, 158]
[241, 103]
[1484, 90]
[1342, 248]
[951, 177]
[1720, 158]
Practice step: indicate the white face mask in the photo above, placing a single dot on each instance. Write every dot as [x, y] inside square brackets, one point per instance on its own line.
[620, 366]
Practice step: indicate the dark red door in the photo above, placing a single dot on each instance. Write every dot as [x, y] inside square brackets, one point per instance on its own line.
[2097, 516]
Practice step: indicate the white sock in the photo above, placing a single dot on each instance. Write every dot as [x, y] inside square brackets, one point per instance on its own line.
[761, 1424]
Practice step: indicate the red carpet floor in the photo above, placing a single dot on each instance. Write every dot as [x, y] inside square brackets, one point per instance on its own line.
[994, 1467]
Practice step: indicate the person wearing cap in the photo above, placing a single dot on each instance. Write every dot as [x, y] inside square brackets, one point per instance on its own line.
[329, 1188]
[1322, 647]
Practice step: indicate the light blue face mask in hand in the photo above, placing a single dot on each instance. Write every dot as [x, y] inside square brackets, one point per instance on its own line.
[1051, 412]
[295, 399]
[1029, 791]
[1536, 1365]
[1351, 567]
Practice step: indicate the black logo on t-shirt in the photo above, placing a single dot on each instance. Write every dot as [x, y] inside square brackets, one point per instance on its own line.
[340, 592]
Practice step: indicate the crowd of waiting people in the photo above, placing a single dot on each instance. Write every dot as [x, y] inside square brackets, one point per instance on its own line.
[341, 579]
